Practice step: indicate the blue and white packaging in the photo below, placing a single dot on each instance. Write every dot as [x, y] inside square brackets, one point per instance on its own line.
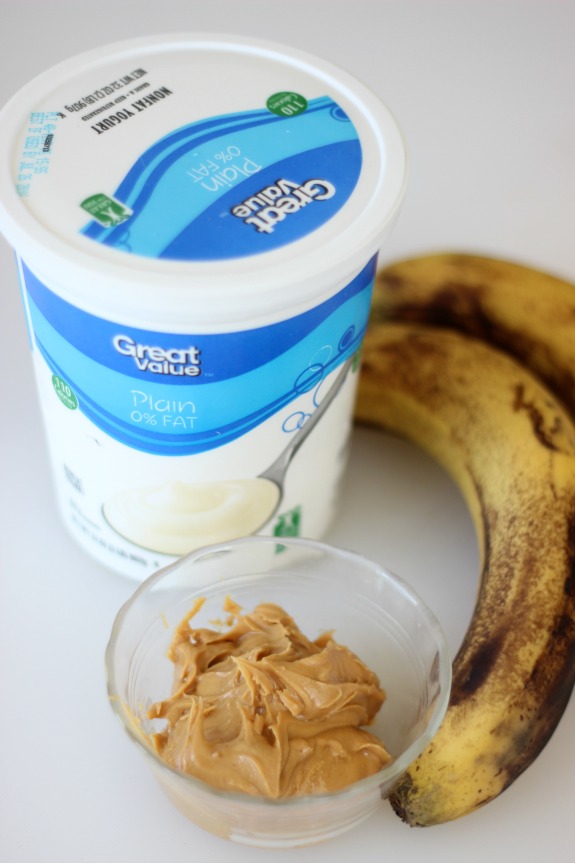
[196, 220]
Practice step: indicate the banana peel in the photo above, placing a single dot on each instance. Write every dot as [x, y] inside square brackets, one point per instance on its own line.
[508, 440]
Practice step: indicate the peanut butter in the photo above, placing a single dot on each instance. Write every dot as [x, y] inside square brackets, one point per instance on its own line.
[259, 708]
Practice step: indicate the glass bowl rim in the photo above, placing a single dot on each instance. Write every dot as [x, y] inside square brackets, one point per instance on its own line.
[387, 775]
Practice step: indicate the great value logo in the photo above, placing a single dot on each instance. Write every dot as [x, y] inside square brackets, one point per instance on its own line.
[274, 203]
[158, 360]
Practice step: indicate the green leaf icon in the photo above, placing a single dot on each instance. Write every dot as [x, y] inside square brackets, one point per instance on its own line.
[105, 210]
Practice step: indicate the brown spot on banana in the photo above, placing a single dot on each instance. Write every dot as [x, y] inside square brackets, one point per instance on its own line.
[510, 446]
[525, 312]
[536, 418]
[471, 679]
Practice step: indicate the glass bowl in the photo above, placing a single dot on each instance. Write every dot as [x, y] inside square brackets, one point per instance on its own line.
[372, 612]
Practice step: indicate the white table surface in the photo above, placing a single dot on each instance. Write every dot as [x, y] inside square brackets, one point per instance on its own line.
[484, 92]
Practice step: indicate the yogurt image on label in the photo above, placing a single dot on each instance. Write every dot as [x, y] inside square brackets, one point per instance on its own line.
[178, 517]
[196, 301]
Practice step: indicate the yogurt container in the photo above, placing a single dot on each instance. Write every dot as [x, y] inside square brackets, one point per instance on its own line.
[196, 221]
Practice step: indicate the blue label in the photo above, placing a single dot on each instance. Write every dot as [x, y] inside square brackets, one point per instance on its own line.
[233, 185]
[174, 394]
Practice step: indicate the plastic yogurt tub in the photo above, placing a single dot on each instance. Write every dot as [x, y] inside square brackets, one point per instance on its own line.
[196, 220]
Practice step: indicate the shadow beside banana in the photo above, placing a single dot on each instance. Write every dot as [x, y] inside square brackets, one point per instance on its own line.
[509, 444]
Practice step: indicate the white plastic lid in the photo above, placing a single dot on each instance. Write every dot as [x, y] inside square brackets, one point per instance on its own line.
[220, 178]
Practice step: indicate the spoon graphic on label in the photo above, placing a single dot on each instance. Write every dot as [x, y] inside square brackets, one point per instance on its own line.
[276, 472]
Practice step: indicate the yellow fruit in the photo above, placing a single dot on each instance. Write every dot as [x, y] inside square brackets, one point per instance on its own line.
[510, 446]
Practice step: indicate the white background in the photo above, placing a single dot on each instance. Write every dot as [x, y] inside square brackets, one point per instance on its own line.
[484, 92]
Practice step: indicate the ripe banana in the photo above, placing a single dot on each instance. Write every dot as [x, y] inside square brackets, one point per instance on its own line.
[510, 446]
[528, 313]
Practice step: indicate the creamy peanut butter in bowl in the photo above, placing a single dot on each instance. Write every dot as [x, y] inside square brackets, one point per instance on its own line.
[277, 688]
